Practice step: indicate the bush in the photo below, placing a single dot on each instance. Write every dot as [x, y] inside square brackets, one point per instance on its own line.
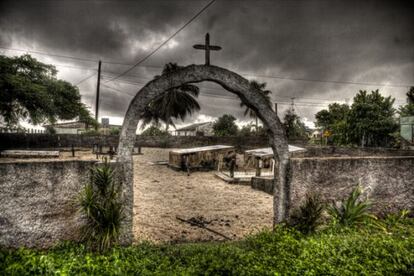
[352, 211]
[308, 216]
[101, 206]
[154, 131]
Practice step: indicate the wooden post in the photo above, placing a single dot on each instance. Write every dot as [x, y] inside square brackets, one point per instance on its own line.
[73, 151]
[258, 167]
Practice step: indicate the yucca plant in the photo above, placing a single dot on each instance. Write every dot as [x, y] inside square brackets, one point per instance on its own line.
[352, 211]
[307, 217]
[101, 206]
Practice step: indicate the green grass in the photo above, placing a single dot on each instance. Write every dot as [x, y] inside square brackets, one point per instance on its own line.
[334, 251]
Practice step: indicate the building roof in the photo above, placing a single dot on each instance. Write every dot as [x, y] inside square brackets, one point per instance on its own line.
[192, 127]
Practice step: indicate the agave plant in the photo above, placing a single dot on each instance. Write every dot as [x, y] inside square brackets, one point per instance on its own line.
[308, 216]
[352, 211]
[101, 206]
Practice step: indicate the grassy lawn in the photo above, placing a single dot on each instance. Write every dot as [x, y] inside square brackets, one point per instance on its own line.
[335, 251]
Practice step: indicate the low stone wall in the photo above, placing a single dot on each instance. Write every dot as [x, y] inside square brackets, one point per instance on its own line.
[333, 151]
[38, 202]
[265, 184]
[387, 181]
[33, 141]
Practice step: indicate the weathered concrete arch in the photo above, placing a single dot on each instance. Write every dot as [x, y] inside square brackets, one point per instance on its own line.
[229, 81]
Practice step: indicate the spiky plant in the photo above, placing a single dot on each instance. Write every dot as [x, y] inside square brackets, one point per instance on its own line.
[352, 211]
[101, 206]
[307, 217]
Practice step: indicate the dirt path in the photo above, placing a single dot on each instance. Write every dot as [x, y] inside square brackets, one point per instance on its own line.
[161, 194]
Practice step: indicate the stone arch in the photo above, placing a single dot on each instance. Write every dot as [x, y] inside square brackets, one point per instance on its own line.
[233, 83]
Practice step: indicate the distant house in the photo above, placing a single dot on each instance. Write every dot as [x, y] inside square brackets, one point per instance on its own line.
[315, 134]
[199, 129]
[80, 127]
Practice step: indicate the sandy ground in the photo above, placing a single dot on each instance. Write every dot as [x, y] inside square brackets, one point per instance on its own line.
[162, 194]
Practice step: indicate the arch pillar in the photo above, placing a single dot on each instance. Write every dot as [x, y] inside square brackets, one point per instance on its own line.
[233, 83]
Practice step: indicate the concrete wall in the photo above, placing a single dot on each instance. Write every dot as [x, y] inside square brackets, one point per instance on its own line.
[387, 181]
[332, 151]
[24, 140]
[38, 202]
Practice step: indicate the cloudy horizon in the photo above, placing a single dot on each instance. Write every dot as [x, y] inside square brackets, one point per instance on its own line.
[318, 52]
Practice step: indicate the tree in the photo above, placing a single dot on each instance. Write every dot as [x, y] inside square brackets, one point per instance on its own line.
[334, 120]
[294, 127]
[175, 103]
[225, 126]
[30, 90]
[266, 93]
[154, 130]
[408, 109]
[371, 120]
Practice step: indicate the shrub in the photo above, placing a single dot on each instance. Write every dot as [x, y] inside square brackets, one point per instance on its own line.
[101, 206]
[352, 211]
[307, 217]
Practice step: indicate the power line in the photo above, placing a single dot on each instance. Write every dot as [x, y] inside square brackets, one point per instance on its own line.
[165, 42]
[329, 81]
[49, 54]
[243, 74]
[75, 57]
[88, 77]
[117, 90]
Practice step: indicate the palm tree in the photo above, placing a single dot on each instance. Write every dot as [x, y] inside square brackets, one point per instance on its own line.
[175, 103]
[266, 93]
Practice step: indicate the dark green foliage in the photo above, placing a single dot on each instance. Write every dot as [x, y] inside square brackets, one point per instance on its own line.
[114, 131]
[352, 211]
[225, 126]
[282, 252]
[308, 216]
[251, 130]
[408, 109]
[30, 90]
[153, 130]
[175, 103]
[294, 127]
[101, 206]
[369, 121]
[334, 120]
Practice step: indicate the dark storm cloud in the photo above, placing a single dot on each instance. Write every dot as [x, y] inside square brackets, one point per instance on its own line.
[362, 41]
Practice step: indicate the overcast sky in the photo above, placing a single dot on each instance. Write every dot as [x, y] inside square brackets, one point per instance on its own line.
[345, 41]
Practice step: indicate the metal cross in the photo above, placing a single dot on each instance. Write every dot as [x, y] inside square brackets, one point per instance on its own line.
[207, 47]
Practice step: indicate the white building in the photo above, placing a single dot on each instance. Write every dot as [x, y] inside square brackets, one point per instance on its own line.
[199, 129]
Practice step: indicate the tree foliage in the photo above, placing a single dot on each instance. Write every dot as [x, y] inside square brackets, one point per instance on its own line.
[225, 126]
[334, 121]
[154, 130]
[30, 90]
[408, 109]
[175, 103]
[266, 93]
[294, 127]
[369, 121]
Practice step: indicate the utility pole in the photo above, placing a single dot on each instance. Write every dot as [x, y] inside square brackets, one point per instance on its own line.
[276, 108]
[293, 104]
[97, 92]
